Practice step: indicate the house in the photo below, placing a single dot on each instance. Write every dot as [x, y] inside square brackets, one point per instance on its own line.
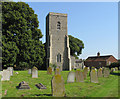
[100, 61]
[76, 63]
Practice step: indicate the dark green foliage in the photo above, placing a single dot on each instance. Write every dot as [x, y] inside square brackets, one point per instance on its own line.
[117, 64]
[21, 36]
[76, 46]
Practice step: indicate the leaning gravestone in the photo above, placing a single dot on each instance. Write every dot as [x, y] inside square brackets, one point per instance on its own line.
[85, 72]
[34, 72]
[23, 85]
[49, 70]
[93, 76]
[5, 75]
[57, 71]
[106, 72]
[11, 70]
[99, 72]
[58, 87]
[29, 71]
[79, 76]
[71, 77]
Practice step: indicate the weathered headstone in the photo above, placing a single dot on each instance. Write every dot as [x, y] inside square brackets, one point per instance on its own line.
[111, 70]
[29, 71]
[23, 85]
[71, 77]
[0, 72]
[40, 86]
[99, 72]
[79, 76]
[49, 70]
[116, 68]
[57, 71]
[58, 87]
[85, 72]
[93, 76]
[106, 72]
[11, 70]
[34, 72]
[5, 75]
[16, 73]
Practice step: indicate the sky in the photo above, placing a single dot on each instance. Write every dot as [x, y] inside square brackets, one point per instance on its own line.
[95, 23]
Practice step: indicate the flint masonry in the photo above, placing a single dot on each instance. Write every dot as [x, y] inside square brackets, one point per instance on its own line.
[57, 41]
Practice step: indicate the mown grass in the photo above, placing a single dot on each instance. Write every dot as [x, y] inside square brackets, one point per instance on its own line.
[107, 87]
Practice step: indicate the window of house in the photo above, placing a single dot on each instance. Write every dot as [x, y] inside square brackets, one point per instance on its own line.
[59, 57]
[58, 25]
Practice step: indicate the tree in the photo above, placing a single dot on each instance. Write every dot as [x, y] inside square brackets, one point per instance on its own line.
[21, 36]
[115, 64]
[76, 46]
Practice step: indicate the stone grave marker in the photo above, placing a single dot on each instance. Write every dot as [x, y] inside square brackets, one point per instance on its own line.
[40, 86]
[85, 72]
[0, 72]
[93, 76]
[57, 71]
[79, 76]
[111, 70]
[116, 69]
[11, 70]
[5, 75]
[99, 72]
[34, 72]
[29, 71]
[49, 70]
[71, 77]
[23, 85]
[58, 87]
[106, 72]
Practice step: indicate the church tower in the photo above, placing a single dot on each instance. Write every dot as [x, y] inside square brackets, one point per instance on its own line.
[57, 41]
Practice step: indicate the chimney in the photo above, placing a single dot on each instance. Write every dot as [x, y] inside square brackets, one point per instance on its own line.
[98, 54]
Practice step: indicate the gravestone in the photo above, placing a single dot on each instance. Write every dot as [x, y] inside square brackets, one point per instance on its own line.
[106, 72]
[58, 87]
[11, 70]
[71, 77]
[85, 72]
[93, 76]
[57, 71]
[40, 86]
[29, 71]
[111, 70]
[23, 85]
[0, 72]
[79, 76]
[99, 72]
[49, 70]
[16, 73]
[116, 69]
[34, 72]
[5, 75]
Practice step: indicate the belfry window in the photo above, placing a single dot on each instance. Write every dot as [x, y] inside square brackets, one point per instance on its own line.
[58, 25]
[59, 58]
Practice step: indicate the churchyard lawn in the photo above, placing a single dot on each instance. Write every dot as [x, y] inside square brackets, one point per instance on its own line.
[107, 87]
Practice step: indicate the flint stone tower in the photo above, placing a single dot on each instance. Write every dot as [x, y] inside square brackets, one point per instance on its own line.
[57, 41]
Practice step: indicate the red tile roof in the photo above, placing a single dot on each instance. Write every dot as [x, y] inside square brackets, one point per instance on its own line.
[98, 58]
